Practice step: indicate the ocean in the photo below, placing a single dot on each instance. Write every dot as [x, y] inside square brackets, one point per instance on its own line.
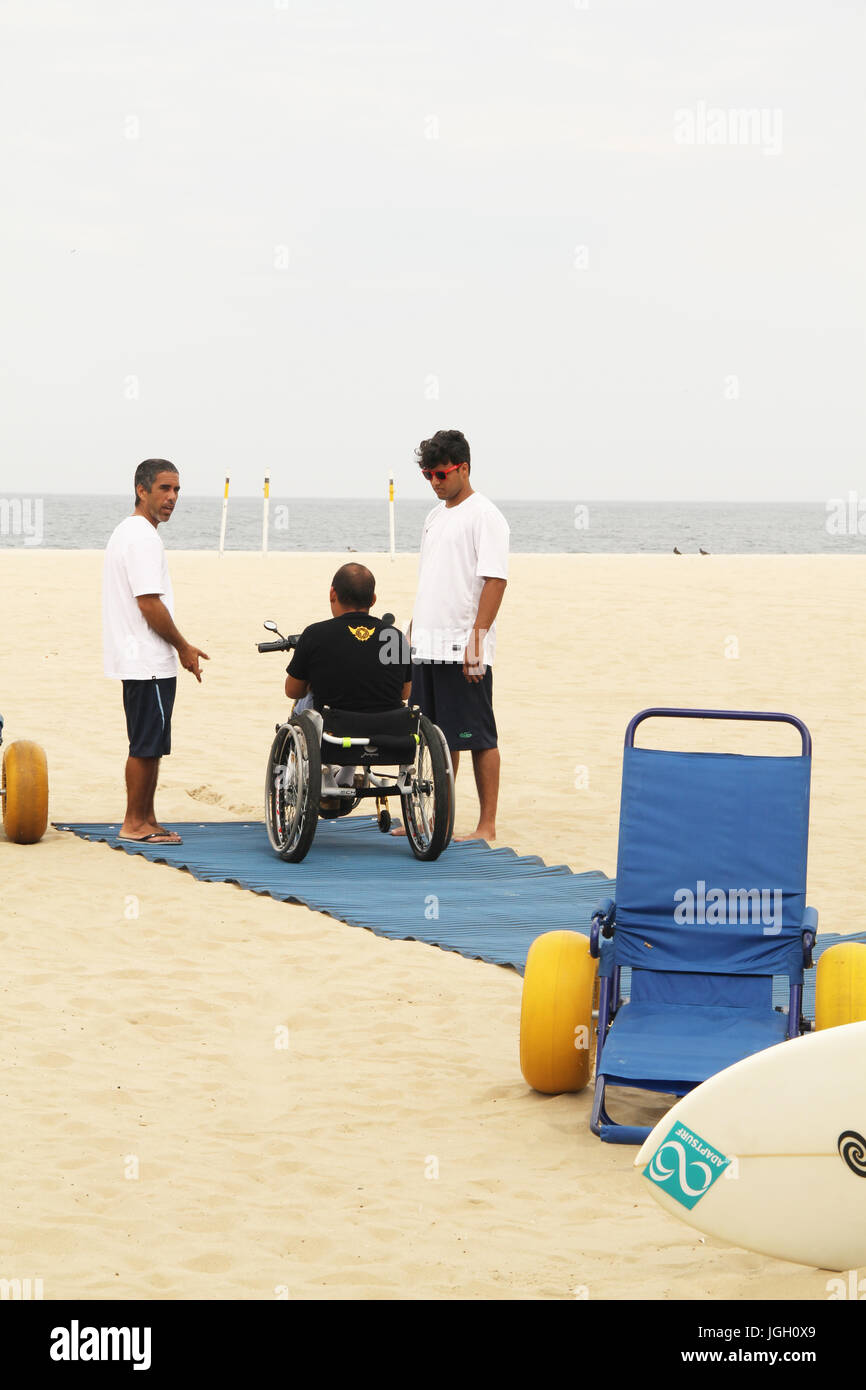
[59, 522]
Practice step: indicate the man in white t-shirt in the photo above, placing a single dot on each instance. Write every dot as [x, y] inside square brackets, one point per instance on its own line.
[140, 642]
[462, 574]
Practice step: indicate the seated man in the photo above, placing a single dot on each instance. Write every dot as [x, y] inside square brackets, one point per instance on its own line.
[341, 662]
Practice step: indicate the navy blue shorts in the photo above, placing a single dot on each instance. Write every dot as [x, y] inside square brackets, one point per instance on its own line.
[463, 709]
[148, 706]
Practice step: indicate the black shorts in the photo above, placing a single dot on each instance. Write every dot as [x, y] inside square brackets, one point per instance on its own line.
[463, 709]
[148, 706]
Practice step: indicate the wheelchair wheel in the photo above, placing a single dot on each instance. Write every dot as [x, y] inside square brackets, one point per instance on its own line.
[25, 792]
[840, 985]
[428, 809]
[450, 766]
[556, 1025]
[293, 785]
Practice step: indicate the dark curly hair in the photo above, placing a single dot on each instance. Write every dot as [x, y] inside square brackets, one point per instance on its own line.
[445, 446]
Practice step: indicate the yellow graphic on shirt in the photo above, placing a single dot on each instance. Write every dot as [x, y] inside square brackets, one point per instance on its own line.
[362, 633]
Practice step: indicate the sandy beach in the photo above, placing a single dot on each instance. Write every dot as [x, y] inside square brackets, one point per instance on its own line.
[160, 1145]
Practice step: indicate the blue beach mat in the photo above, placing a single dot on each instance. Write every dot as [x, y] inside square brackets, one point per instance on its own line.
[487, 904]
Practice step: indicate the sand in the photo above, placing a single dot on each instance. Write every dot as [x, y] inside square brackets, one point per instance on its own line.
[208, 1094]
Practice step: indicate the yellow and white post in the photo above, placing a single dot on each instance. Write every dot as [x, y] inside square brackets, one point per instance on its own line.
[225, 510]
[391, 510]
[267, 503]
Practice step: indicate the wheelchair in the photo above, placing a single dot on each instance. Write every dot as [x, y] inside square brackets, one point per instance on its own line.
[301, 787]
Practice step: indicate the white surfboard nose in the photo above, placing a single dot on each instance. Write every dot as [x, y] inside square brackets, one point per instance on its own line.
[770, 1154]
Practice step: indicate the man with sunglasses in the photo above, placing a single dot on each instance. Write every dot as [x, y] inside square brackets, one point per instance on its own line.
[462, 573]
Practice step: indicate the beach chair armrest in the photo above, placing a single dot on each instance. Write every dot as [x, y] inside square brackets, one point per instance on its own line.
[810, 932]
[602, 923]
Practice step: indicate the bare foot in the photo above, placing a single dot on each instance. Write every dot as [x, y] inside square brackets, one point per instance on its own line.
[398, 830]
[482, 832]
[134, 830]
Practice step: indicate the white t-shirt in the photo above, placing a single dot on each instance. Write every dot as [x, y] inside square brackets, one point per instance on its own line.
[135, 564]
[460, 547]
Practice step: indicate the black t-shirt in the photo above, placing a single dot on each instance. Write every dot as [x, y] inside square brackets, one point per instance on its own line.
[352, 662]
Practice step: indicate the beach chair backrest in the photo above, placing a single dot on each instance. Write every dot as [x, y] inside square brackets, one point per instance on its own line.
[711, 873]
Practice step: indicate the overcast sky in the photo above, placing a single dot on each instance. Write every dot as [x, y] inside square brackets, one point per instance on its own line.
[302, 235]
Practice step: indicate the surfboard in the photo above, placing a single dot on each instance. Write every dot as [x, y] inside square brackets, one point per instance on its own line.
[770, 1153]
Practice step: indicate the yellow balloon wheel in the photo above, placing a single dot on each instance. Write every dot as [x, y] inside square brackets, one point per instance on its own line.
[25, 782]
[840, 985]
[556, 1024]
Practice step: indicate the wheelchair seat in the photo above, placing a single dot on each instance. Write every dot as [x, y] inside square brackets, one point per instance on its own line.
[370, 736]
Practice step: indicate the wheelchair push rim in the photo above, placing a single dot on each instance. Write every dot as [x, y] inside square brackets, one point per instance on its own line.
[292, 788]
[427, 807]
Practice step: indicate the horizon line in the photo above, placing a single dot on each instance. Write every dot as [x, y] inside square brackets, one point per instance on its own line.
[569, 501]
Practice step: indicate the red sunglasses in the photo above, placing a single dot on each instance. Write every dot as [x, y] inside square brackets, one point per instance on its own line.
[440, 474]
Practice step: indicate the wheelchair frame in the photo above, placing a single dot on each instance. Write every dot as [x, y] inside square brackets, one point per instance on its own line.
[299, 788]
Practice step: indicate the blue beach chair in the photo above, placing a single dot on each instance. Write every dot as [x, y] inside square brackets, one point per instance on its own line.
[710, 884]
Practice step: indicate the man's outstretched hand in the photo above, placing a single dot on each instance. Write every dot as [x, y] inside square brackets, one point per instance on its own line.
[189, 658]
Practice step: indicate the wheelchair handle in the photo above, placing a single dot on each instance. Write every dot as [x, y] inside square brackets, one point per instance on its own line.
[285, 644]
[758, 715]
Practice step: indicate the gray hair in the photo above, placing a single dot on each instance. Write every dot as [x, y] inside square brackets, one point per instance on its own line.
[147, 473]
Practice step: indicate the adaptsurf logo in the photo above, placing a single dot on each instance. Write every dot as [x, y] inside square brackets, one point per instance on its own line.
[685, 1166]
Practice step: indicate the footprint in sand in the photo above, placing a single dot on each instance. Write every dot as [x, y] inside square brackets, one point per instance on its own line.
[52, 1059]
[214, 1263]
[214, 798]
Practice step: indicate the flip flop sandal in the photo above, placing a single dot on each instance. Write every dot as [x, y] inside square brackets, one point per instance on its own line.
[157, 838]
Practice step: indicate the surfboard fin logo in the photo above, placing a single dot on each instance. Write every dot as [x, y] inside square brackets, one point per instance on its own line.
[852, 1148]
[685, 1166]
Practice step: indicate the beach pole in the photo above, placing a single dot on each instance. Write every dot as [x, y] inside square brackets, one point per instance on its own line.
[225, 509]
[267, 503]
[391, 509]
